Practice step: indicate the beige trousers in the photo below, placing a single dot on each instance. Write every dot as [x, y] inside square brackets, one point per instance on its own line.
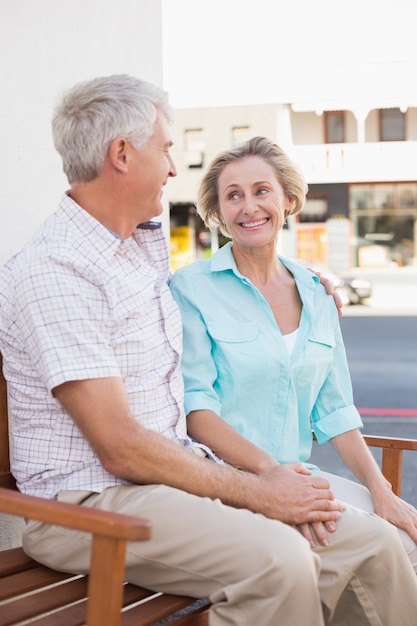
[357, 495]
[254, 570]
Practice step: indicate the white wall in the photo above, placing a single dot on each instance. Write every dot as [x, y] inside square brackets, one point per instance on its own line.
[45, 47]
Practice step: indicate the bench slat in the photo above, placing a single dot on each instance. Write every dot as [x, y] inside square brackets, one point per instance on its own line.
[24, 582]
[148, 613]
[15, 560]
[58, 602]
[43, 601]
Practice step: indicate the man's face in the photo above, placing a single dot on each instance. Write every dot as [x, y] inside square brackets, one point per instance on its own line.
[149, 171]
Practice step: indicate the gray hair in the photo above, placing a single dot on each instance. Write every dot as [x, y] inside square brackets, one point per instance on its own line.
[288, 175]
[93, 113]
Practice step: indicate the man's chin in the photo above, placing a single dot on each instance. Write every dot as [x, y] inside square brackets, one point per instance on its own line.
[152, 213]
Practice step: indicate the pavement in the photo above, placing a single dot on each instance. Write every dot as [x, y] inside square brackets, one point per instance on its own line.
[394, 294]
[394, 291]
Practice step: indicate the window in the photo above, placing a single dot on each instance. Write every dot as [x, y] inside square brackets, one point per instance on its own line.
[380, 196]
[392, 125]
[383, 217]
[383, 196]
[240, 134]
[315, 210]
[407, 195]
[194, 147]
[360, 196]
[334, 126]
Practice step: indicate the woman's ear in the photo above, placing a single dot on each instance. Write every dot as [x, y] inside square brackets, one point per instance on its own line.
[291, 207]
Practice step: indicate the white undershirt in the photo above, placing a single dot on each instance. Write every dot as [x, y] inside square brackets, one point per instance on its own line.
[290, 340]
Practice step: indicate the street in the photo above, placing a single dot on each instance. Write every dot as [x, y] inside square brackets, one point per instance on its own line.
[381, 346]
[382, 357]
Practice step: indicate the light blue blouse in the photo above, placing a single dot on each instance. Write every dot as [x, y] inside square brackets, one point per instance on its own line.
[235, 361]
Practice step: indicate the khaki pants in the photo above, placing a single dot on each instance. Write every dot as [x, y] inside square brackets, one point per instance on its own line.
[357, 495]
[255, 570]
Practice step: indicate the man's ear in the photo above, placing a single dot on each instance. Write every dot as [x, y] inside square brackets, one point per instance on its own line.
[118, 153]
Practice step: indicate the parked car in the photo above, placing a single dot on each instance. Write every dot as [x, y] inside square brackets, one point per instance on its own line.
[352, 289]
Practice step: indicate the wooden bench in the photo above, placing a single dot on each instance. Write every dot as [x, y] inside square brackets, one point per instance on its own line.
[30, 591]
[392, 456]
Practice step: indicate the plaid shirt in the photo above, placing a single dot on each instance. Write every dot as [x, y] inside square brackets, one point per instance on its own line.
[78, 303]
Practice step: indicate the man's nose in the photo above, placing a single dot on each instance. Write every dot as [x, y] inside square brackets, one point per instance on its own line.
[172, 168]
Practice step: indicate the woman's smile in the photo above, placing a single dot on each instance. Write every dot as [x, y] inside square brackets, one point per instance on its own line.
[254, 223]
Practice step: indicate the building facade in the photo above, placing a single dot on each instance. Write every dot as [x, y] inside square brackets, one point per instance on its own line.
[360, 162]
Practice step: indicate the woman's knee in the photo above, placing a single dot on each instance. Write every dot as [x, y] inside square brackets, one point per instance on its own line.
[410, 547]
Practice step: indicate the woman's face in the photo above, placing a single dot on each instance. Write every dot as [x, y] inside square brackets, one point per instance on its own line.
[252, 202]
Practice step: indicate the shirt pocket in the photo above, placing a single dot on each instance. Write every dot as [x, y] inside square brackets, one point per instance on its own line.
[236, 353]
[233, 333]
[320, 351]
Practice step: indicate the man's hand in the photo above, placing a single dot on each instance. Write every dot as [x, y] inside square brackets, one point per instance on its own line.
[329, 287]
[291, 494]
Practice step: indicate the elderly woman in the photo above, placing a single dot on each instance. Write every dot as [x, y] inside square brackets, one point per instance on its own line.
[264, 361]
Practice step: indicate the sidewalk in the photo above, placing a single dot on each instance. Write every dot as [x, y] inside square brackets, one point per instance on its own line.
[326, 458]
[394, 291]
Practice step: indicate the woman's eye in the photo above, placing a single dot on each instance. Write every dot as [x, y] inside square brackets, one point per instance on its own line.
[262, 191]
[233, 195]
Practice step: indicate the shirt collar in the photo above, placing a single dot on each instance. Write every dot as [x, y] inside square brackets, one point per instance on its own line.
[223, 260]
[85, 225]
[99, 236]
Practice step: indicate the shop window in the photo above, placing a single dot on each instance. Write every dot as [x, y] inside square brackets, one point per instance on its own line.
[194, 147]
[360, 196]
[392, 125]
[384, 217]
[334, 125]
[315, 210]
[383, 196]
[407, 195]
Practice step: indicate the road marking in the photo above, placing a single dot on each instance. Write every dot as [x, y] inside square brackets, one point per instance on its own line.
[381, 412]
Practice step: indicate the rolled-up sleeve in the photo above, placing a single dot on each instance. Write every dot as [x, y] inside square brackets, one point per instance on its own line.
[334, 412]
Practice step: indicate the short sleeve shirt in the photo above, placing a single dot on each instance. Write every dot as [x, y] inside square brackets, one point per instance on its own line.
[77, 303]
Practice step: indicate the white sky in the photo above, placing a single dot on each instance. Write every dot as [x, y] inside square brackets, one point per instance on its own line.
[224, 52]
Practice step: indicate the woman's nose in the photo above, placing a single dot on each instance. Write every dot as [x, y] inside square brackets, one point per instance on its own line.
[250, 205]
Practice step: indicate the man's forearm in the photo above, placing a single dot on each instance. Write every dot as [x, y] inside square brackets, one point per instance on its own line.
[126, 449]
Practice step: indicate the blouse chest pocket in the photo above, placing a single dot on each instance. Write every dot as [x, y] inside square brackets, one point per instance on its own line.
[233, 333]
[320, 347]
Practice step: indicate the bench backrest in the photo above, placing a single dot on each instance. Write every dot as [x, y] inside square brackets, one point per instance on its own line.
[6, 478]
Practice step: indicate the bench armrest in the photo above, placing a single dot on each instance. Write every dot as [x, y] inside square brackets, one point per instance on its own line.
[105, 523]
[392, 456]
[110, 532]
